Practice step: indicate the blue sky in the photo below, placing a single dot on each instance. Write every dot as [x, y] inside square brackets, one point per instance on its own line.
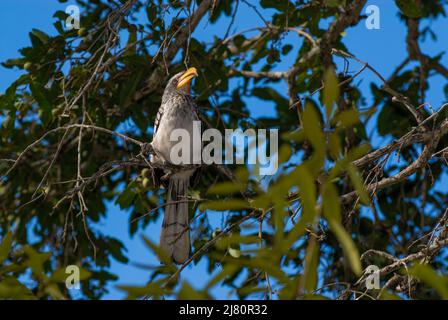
[384, 49]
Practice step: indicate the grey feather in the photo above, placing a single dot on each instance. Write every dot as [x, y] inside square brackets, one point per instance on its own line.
[175, 235]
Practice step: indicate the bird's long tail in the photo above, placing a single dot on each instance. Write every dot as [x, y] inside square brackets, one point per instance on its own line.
[175, 235]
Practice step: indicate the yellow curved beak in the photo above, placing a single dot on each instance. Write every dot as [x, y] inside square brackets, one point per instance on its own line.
[187, 77]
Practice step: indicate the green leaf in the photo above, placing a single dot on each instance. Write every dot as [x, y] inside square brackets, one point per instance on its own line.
[187, 292]
[40, 94]
[60, 15]
[227, 187]
[309, 278]
[313, 131]
[358, 183]
[335, 145]
[36, 260]
[427, 274]
[162, 255]
[5, 247]
[227, 205]
[385, 295]
[332, 211]
[409, 8]
[330, 202]
[286, 49]
[54, 291]
[13, 63]
[274, 4]
[330, 92]
[307, 190]
[346, 118]
[11, 288]
[9, 121]
[315, 297]
[242, 174]
[235, 240]
[116, 249]
[42, 36]
[227, 271]
[154, 289]
[131, 50]
[313, 128]
[308, 194]
[125, 199]
[349, 247]
[284, 153]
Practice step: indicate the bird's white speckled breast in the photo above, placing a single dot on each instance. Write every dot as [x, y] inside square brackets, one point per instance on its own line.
[176, 114]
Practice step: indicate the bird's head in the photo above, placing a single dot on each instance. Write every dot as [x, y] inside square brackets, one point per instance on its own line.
[181, 82]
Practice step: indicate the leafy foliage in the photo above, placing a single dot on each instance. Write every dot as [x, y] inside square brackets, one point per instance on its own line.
[74, 123]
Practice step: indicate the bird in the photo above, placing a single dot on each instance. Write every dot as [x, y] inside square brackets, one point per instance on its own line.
[178, 110]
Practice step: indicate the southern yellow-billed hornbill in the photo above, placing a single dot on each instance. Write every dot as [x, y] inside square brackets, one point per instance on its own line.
[177, 111]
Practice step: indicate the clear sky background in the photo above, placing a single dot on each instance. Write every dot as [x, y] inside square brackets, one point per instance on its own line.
[384, 49]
